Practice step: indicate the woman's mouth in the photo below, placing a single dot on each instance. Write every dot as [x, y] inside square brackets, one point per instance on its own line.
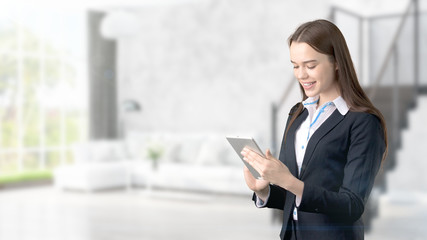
[308, 85]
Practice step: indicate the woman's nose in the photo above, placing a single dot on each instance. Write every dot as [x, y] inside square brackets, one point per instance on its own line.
[301, 73]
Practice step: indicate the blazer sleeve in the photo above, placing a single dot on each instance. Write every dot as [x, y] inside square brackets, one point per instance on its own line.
[364, 157]
[276, 198]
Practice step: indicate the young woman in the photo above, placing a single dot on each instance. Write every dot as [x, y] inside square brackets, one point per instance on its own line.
[332, 148]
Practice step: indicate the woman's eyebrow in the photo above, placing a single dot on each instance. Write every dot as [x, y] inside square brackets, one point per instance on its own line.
[308, 61]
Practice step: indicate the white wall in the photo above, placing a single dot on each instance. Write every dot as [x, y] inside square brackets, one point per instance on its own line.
[213, 66]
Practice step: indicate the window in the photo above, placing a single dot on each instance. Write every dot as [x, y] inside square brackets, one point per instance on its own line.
[43, 89]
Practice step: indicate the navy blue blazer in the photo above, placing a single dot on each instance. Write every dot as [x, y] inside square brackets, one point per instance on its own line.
[340, 164]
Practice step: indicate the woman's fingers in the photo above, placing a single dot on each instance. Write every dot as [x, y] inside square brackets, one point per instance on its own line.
[255, 160]
[268, 154]
[270, 168]
[251, 156]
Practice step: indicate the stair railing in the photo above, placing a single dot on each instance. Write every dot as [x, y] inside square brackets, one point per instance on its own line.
[275, 107]
[392, 49]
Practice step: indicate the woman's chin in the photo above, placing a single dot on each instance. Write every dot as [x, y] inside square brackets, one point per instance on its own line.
[310, 93]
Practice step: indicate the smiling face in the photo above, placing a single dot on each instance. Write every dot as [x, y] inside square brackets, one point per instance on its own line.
[315, 72]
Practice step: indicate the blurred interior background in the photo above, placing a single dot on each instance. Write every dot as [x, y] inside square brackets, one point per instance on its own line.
[113, 114]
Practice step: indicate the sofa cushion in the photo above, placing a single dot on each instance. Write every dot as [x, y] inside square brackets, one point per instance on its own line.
[99, 151]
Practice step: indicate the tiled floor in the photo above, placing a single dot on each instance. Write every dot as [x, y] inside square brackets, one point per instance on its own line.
[43, 213]
[402, 215]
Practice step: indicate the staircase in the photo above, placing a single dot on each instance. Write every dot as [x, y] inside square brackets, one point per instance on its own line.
[410, 172]
[394, 116]
[402, 210]
[392, 88]
[384, 102]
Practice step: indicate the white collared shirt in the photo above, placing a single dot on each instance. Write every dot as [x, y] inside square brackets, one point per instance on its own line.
[305, 131]
[316, 117]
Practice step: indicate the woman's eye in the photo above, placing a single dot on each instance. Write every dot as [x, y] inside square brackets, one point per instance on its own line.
[311, 67]
[295, 67]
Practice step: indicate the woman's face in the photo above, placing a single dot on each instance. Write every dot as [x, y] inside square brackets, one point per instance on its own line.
[314, 71]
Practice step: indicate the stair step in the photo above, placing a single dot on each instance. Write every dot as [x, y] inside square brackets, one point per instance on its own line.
[419, 117]
[412, 157]
[414, 140]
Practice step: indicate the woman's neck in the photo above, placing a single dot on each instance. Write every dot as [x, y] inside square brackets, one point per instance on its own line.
[329, 96]
[323, 100]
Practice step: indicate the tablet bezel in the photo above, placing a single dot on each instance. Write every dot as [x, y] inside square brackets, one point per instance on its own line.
[238, 143]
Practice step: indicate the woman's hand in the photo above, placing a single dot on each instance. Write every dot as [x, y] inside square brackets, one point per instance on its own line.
[272, 171]
[259, 186]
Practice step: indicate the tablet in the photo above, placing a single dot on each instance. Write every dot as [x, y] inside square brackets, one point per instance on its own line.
[238, 143]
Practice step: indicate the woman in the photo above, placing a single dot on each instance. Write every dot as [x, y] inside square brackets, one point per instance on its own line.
[333, 145]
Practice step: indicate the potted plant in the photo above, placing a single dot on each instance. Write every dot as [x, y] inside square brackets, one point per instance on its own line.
[154, 153]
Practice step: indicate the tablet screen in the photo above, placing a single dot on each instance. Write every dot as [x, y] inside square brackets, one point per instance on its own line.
[238, 143]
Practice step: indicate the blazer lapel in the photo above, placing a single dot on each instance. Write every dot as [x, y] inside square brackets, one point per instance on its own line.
[290, 142]
[327, 126]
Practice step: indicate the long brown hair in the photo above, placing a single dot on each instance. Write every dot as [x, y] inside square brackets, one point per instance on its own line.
[325, 37]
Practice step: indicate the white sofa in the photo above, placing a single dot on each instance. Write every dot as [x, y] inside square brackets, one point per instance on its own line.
[97, 165]
[203, 163]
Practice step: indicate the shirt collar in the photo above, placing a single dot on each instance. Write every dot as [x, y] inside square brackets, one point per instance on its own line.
[339, 103]
[311, 101]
